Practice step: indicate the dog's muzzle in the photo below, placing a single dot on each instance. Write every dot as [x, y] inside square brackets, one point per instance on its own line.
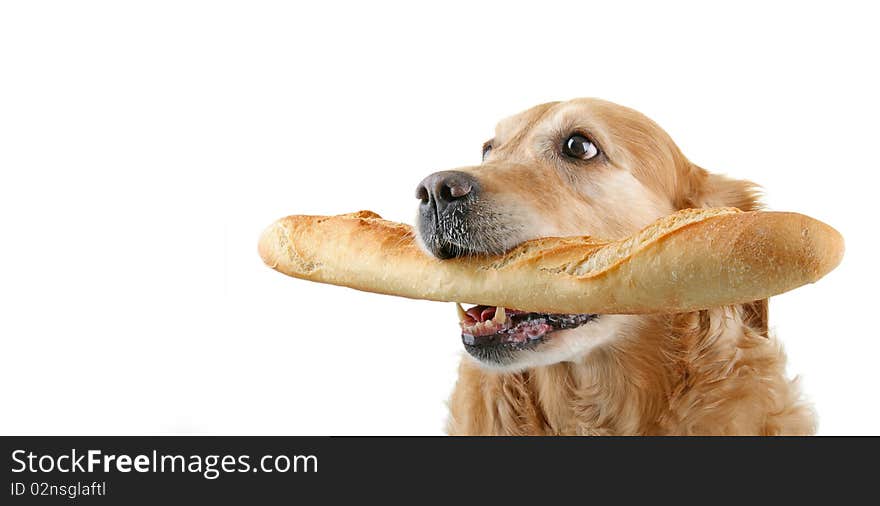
[447, 199]
[455, 221]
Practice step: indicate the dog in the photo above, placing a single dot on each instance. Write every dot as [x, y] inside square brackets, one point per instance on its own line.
[592, 167]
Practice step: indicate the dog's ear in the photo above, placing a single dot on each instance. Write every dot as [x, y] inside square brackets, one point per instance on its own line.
[755, 315]
[704, 189]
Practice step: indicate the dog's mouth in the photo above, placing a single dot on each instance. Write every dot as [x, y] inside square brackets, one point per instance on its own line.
[490, 326]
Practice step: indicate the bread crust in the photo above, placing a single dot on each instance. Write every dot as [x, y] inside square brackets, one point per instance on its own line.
[693, 259]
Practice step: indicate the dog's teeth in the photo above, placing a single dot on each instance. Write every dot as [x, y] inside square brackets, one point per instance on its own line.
[500, 316]
[460, 310]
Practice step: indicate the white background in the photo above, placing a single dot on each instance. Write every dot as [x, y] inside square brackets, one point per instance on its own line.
[144, 146]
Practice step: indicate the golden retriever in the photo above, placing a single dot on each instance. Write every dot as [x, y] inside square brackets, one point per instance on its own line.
[591, 167]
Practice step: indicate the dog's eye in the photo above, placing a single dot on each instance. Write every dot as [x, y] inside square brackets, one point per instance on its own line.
[487, 148]
[578, 146]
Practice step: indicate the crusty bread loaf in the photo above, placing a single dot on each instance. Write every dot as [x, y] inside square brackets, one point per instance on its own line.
[693, 259]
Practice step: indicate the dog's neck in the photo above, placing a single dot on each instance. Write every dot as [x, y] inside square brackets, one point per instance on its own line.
[708, 372]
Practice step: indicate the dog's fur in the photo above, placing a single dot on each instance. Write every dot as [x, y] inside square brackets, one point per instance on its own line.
[709, 372]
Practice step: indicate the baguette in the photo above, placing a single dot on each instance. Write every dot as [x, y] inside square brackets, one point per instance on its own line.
[693, 259]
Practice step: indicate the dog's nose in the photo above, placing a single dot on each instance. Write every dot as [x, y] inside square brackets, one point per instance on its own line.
[442, 189]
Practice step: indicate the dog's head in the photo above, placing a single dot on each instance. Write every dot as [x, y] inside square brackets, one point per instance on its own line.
[582, 167]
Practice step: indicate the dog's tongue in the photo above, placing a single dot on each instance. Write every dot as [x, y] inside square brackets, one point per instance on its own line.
[485, 313]
[481, 313]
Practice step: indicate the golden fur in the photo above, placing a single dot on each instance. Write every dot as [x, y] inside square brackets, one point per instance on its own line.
[710, 372]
